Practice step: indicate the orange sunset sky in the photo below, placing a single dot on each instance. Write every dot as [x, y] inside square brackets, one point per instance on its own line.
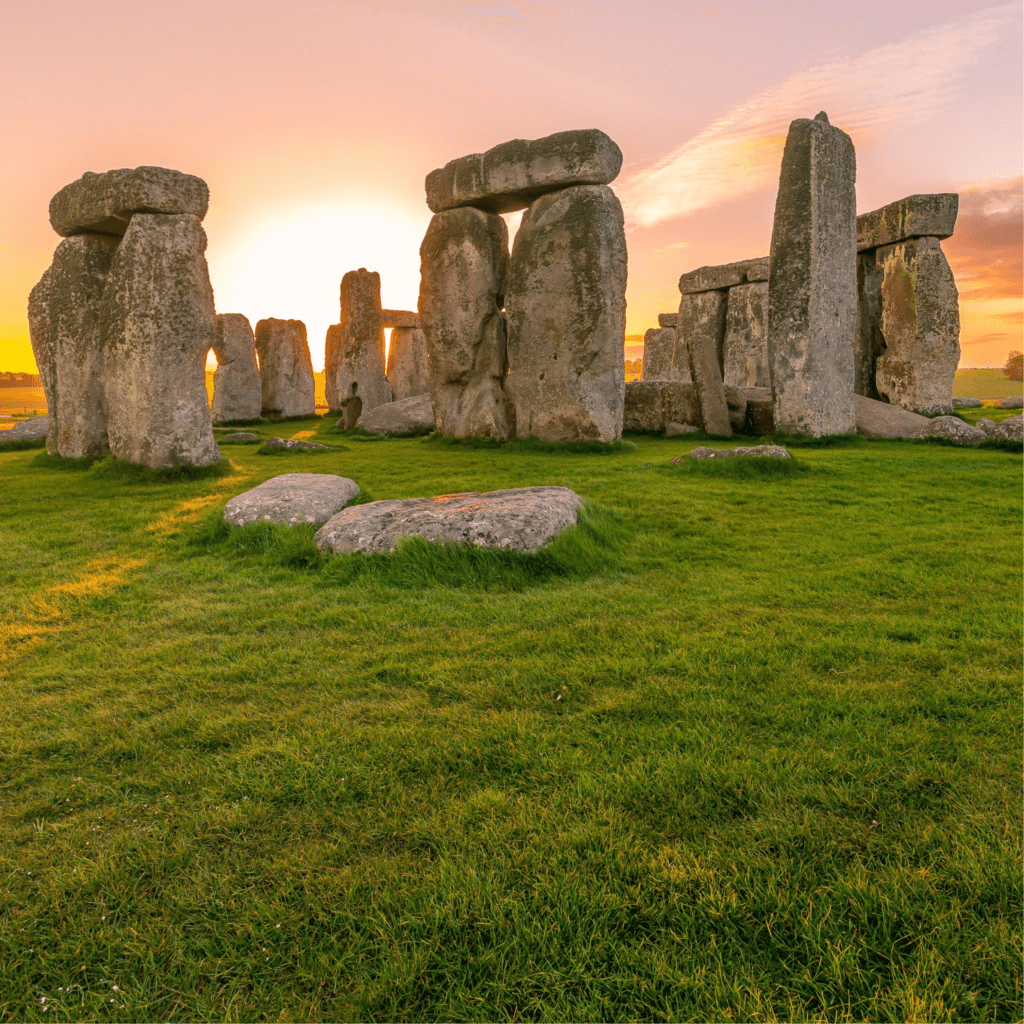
[315, 124]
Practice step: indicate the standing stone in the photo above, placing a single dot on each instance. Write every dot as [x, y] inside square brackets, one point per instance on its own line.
[463, 274]
[511, 176]
[354, 353]
[869, 344]
[44, 348]
[745, 345]
[812, 293]
[237, 390]
[160, 324]
[408, 370]
[920, 323]
[286, 369]
[658, 345]
[702, 323]
[567, 317]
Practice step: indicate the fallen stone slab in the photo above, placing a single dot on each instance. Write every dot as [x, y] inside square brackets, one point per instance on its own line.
[400, 318]
[967, 403]
[667, 319]
[33, 429]
[761, 451]
[402, 417]
[952, 428]
[292, 498]
[292, 445]
[241, 437]
[726, 275]
[1011, 402]
[519, 519]
[105, 202]
[511, 176]
[879, 420]
[651, 405]
[913, 217]
[678, 429]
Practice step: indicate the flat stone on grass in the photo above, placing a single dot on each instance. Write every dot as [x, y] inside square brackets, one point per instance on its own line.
[291, 445]
[292, 498]
[241, 437]
[33, 429]
[406, 416]
[520, 519]
[760, 451]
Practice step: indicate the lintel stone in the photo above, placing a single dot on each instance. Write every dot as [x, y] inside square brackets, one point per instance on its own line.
[931, 215]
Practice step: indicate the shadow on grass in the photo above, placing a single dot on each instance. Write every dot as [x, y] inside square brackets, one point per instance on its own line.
[108, 468]
[533, 444]
[595, 543]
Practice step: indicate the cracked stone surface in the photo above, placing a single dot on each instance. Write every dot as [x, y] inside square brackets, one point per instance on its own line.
[292, 498]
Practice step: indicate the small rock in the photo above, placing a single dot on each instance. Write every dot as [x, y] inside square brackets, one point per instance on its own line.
[676, 429]
[1011, 402]
[761, 451]
[967, 403]
[34, 429]
[952, 428]
[1009, 429]
[402, 417]
[520, 519]
[242, 437]
[293, 445]
[292, 498]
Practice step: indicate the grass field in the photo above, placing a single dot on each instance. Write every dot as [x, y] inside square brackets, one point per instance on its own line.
[744, 746]
[985, 383]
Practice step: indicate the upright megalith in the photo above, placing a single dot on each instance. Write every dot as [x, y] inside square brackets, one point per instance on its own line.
[566, 305]
[701, 321]
[908, 316]
[354, 353]
[286, 369]
[44, 348]
[511, 176]
[463, 274]
[659, 343]
[408, 366]
[237, 390]
[745, 341]
[159, 324]
[812, 284]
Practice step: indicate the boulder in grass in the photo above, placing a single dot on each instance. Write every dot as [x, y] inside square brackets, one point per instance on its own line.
[241, 437]
[291, 445]
[967, 403]
[761, 451]
[1010, 429]
[678, 429]
[953, 429]
[985, 424]
[880, 420]
[1011, 402]
[407, 416]
[33, 429]
[520, 519]
[292, 498]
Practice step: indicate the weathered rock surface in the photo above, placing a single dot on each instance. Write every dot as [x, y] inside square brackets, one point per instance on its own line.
[761, 451]
[952, 428]
[237, 390]
[985, 424]
[760, 410]
[520, 519]
[920, 322]
[159, 325]
[967, 403]
[401, 417]
[727, 275]
[408, 365]
[105, 202]
[354, 354]
[566, 304]
[463, 276]
[878, 420]
[66, 322]
[241, 437]
[745, 344]
[400, 318]
[869, 343]
[35, 428]
[1011, 402]
[511, 176]
[659, 345]
[294, 445]
[678, 429]
[650, 406]
[702, 324]
[286, 369]
[913, 217]
[812, 295]
[292, 498]
[1009, 429]
[667, 319]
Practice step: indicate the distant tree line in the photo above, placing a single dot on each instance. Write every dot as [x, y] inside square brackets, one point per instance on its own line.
[1014, 368]
[20, 380]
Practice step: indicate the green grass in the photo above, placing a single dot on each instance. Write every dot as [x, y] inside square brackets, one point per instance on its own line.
[985, 383]
[738, 747]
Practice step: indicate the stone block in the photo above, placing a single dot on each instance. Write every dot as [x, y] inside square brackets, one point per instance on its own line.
[920, 322]
[914, 217]
[105, 202]
[869, 343]
[403, 416]
[650, 406]
[726, 275]
[354, 352]
[237, 390]
[659, 344]
[511, 176]
[286, 369]
[159, 325]
[702, 324]
[408, 366]
[566, 305]
[667, 319]
[877, 420]
[463, 275]
[812, 293]
[292, 498]
[745, 344]
[400, 318]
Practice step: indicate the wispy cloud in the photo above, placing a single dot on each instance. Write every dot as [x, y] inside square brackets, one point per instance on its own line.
[895, 85]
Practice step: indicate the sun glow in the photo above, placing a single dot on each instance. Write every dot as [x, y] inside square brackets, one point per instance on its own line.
[290, 265]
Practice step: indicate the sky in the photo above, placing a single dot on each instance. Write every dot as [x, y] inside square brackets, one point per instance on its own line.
[315, 125]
